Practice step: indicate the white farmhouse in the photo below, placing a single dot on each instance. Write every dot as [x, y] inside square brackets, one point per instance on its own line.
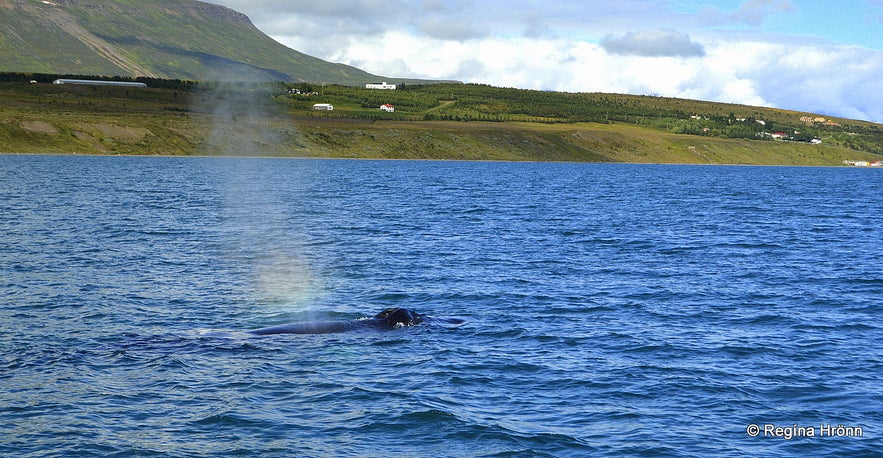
[388, 107]
[323, 106]
[383, 85]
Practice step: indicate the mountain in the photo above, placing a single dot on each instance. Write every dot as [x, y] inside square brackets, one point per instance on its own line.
[181, 39]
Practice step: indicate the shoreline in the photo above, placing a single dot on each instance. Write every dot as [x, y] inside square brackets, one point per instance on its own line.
[305, 158]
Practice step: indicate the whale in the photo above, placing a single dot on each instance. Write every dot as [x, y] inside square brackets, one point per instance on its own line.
[388, 319]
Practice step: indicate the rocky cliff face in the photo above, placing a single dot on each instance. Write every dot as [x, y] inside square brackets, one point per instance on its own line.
[221, 14]
[204, 10]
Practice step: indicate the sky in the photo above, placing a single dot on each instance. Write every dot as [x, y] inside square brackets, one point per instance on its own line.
[818, 56]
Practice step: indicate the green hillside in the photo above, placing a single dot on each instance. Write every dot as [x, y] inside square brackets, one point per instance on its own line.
[182, 39]
[693, 118]
[439, 121]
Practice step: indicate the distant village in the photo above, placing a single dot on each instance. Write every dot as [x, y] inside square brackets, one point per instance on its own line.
[790, 136]
[863, 163]
[387, 107]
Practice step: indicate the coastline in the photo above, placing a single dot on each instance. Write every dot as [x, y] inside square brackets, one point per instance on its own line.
[413, 140]
[43, 119]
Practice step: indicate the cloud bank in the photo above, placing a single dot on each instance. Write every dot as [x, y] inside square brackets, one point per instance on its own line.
[629, 46]
[653, 43]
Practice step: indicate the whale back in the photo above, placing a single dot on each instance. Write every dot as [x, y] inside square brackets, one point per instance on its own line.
[390, 318]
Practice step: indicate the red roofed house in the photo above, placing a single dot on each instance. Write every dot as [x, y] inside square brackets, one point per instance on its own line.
[388, 107]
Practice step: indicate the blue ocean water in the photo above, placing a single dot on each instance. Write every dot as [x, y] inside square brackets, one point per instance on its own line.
[637, 310]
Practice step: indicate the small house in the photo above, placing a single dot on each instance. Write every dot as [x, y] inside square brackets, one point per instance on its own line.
[388, 107]
[323, 107]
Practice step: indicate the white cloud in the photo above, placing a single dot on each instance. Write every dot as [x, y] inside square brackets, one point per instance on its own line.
[628, 46]
[837, 81]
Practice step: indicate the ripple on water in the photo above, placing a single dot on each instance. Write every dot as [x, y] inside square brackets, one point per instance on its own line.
[609, 309]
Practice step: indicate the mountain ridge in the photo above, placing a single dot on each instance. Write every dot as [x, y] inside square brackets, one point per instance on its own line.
[186, 39]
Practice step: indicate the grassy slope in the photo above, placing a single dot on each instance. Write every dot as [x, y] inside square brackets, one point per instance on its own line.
[42, 45]
[182, 39]
[47, 118]
[194, 41]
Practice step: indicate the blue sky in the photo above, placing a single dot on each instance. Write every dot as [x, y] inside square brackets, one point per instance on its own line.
[849, 22]
[807, 55]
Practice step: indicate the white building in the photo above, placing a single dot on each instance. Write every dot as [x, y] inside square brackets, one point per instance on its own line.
[99, 82]
[323, 106]
[383, 85]
[388, 107]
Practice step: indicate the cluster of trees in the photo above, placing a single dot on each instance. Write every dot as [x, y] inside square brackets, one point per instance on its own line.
[541, 105]
[464, 117]
[723, 126]
[482, 102]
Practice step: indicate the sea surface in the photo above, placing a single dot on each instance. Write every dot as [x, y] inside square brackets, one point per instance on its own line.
[610, 310]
